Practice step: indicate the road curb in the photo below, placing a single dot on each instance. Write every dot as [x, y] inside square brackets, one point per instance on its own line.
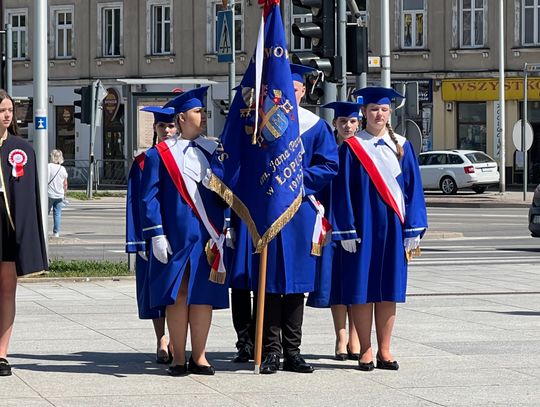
[23, 279]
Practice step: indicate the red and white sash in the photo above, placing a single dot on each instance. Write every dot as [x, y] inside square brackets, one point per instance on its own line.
[321, 229]
[172, 156]
[384, 181]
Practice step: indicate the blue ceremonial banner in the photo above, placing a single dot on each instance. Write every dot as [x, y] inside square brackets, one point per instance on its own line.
[259, 171]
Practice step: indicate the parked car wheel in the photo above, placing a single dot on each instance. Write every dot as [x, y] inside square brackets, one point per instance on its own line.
[479, 190]
[448, 186]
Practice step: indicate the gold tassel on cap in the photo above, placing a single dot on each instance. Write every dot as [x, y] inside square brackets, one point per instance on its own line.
[217, 277]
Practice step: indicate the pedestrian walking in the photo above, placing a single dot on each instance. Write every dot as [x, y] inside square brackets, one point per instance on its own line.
[56, 188]
[22, 242]
[164, 128]
[379, 217]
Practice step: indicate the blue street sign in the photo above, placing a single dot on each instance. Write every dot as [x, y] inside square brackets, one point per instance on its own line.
[224, 35]
[40, 122]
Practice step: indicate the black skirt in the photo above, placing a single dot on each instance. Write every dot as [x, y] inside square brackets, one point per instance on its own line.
[8, 245]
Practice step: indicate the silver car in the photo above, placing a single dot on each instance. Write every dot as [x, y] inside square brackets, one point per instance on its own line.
[450, 170]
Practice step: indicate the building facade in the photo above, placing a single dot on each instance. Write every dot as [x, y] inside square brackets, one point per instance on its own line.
[142, 50]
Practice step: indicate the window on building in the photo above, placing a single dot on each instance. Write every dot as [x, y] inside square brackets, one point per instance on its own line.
[65, 131]
[111, 29]
[63, 32]
[413, 20]
[472, 126]
[472, 20]
[160, 27]
[217, 5]
[530, 17]
[18, 18]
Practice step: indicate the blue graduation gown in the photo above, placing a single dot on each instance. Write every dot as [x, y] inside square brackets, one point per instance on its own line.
[378, 270]
[290, 266]
[165, 212]
[135, 242]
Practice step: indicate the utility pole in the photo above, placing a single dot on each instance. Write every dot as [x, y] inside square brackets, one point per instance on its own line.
[41, 137]
[502, 107]
[385, 44]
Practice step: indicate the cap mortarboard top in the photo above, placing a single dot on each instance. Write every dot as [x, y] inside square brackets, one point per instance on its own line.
[188, 100]
[298, 72]
[161, 114]
[344, 109]
[378, 95]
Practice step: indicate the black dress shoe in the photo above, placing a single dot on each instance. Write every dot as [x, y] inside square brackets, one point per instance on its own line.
[198, 369]
[296, 363]
[270, 364]
[341, 356]
[164, 359]
[386, 364]
[178, 370]
[366, 366]
[5, 367]
[352, 356]
[244, 354]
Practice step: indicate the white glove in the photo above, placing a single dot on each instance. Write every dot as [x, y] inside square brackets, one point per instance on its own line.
[207, 177]
[349, 245]
[411, 243]
[160, 248]
[142, 253]
[230, 238]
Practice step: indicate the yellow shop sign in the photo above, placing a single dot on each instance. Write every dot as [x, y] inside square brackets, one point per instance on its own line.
[469, 90]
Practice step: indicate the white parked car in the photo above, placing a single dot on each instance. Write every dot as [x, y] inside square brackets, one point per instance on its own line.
[450, 170]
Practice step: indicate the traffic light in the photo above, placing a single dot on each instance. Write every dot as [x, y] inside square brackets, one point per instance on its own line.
[357, 50]
[85, 104]
[321, 31]
[314, 90]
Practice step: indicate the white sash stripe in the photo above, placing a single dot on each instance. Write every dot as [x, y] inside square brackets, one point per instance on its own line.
[152, 228]
[177, 146]
[387, 164]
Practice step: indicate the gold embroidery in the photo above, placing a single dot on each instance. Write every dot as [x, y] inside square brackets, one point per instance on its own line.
[241, 210]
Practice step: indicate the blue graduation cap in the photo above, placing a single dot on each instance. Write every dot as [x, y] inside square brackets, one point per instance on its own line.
[345, 109]
[161, 114]
[298, 72]
[378, 95]
[188, 100]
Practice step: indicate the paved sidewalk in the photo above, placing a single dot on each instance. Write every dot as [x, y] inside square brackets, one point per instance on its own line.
[465, 336]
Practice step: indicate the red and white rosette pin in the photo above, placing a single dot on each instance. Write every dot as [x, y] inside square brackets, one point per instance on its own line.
[17, 158]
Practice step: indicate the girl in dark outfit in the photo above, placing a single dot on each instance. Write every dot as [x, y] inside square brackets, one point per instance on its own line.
[22, 245]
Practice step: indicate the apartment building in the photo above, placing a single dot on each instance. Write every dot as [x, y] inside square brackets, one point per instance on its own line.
[143, 49]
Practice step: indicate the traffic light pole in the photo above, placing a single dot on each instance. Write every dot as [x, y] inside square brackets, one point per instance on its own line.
[385, 43]
[342, 48]
[232, 65]
[9, 60]
[41, 137]
[90, 186]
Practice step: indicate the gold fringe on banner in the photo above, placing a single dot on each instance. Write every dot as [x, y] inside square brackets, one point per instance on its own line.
[241, 210]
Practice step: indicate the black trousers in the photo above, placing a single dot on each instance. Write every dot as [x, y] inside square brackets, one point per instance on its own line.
[243, 316]
[283, 318]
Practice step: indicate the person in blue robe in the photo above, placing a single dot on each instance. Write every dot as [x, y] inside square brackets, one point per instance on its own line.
[163, 128]
[176, 209]
[328, 288]
[379, 217]
[291, 266]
